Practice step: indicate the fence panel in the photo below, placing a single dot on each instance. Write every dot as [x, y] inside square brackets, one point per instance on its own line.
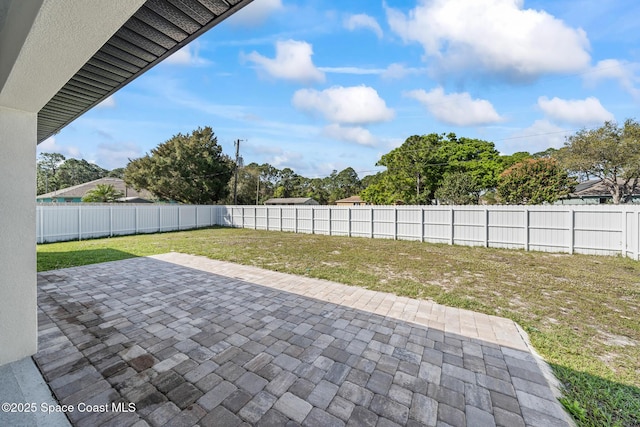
[384, 223]
[59, 223]
[361, 225]
[340, 218]
[95, 221]
[438, 226]
[598, 232]
[409, 223]
[549, 229]
[304, 222]
[508, 228]
[469, 227]
[289, 218]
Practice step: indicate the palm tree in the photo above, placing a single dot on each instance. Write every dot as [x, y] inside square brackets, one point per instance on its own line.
[102, 193]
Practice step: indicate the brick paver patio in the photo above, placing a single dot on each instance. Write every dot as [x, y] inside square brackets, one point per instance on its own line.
[191, 341]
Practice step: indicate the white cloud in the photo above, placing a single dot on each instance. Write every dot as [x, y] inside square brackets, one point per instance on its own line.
[579, 112]
[456, 108]
[541, 135]
[108, 102]
[256, 12]
[624, 72]
[352, 70]
[116, 155]
[288, 159]
[351, 105]
[496, 37]
[188, 55]
[355, 22]
[393, 71]
[355, 134]
[399, 71]
[292, 62]
[50, 145]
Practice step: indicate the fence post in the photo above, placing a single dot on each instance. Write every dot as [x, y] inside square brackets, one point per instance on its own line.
[486, 227]
[159, 219]
[371, 212]
[451, 236]
[242, 217]
[136, 219]
[623, 241]
[79, 222]
[295, 219]
[422, 211]
[349, 222]
[313, 220]
[638, 237]
[526, 228]
[196, 216]
[395, 223]
[41, 224]
[572, 226]
[329, 222]
[110, 221]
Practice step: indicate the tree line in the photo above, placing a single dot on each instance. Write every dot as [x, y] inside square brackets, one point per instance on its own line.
[55, 172]
[425, 169]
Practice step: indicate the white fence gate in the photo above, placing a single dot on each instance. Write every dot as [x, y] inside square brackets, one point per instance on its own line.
[600, 230]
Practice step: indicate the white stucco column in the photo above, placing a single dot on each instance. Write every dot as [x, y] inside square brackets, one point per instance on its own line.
[18, 312]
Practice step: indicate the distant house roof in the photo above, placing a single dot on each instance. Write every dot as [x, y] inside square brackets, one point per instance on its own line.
[352, 199]
[595, 188]
[291, 201]
[78, 191]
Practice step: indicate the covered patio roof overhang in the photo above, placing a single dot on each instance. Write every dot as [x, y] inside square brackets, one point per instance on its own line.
[58, 59]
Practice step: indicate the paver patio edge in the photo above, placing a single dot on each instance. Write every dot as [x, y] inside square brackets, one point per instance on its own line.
[193, 341]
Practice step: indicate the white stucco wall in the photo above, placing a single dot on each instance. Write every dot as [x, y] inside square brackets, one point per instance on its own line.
[18, 315]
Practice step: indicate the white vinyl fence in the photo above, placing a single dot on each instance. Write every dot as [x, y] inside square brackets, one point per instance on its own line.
[77, 221]
[600, 230]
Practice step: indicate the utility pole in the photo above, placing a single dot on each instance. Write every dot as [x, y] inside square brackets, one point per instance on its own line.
[235, 181]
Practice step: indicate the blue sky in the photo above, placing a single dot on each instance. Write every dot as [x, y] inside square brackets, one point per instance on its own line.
[317, 86]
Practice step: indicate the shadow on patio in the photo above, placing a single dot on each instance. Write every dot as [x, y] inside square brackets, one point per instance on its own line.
[186, 340]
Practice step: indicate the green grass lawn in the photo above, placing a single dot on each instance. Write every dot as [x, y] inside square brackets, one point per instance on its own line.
[581, 312]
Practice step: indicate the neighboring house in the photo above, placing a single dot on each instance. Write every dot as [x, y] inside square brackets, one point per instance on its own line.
[593, 192]
[291, 201]
[74, 194]
[352, 201]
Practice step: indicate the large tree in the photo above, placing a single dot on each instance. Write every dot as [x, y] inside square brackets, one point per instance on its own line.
[187, 168]
[610, 152]
[416, 169]
[73, 172]
[533, 182]
[342, 184]
[458, 188]
[47, 172]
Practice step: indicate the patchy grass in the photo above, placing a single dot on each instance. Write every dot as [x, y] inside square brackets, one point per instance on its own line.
[581, 312]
